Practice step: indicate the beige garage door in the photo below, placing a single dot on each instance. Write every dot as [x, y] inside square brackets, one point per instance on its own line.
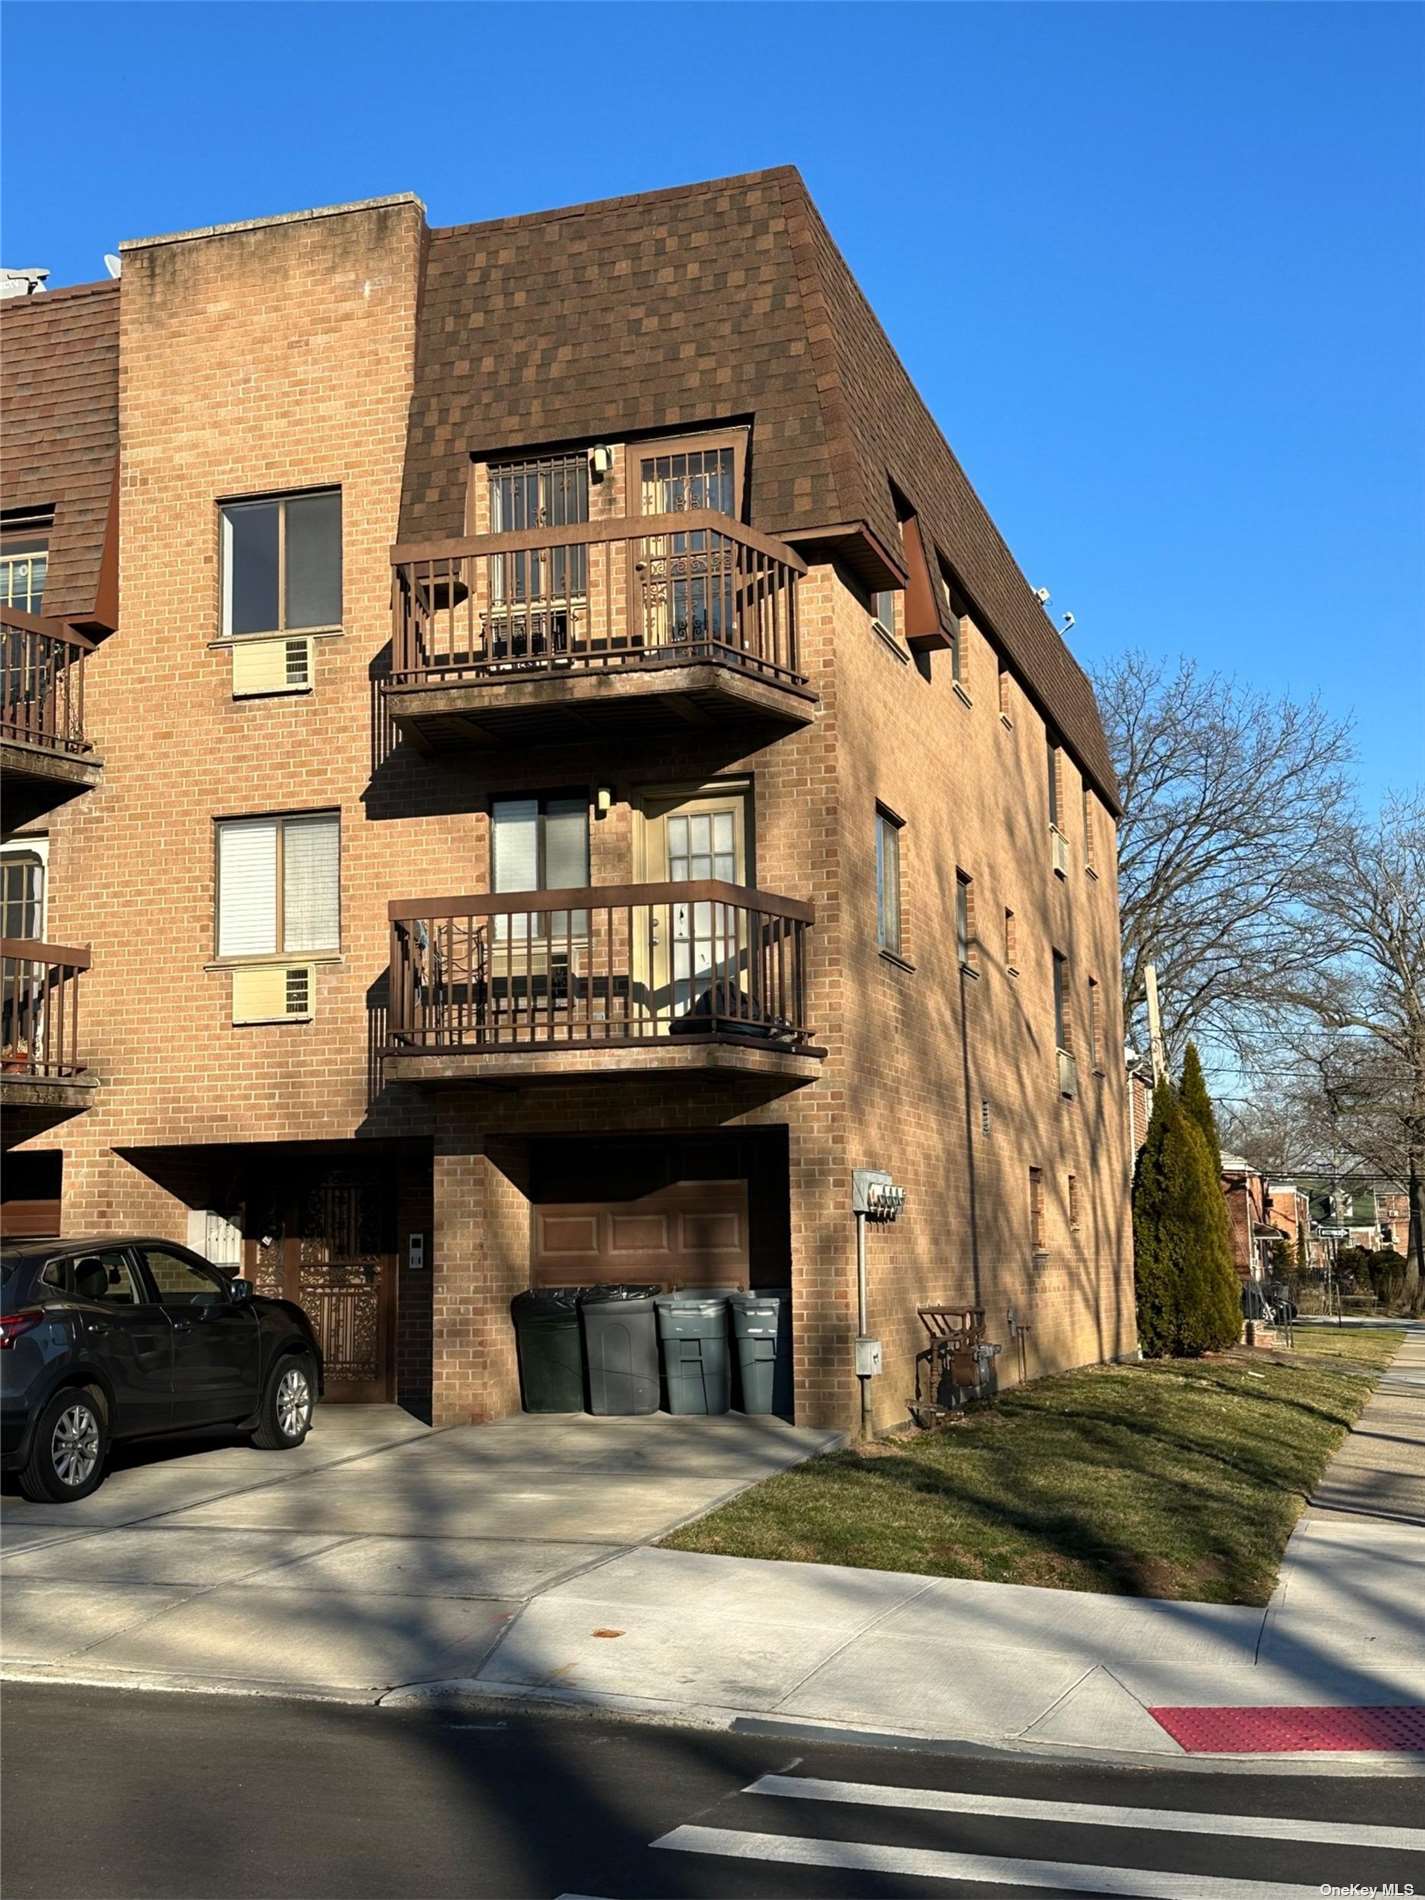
[693, 1233]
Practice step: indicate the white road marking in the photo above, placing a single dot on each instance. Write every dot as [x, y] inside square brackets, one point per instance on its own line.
[871, 1794]
[1069, 1876]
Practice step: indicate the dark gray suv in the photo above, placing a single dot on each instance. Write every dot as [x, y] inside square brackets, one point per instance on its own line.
[131, 1337]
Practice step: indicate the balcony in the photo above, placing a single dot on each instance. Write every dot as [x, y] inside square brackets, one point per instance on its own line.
[42, 1076]
[642, 979]
[44, 754]
[672, 622]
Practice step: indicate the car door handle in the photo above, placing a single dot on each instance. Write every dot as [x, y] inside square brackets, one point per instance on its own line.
[183, 1326]
[98, 1326]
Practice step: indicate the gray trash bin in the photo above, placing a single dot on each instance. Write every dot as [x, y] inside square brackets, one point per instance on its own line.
[754, 1326]
[621, 1348]
[697, 1367]
[784, 1395]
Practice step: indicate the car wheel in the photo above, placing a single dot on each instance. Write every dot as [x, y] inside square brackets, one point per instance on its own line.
[71, 1441]
[286, 1415]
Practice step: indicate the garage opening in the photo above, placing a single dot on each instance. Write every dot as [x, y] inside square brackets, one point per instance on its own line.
[682, 1210]
[31, 1195]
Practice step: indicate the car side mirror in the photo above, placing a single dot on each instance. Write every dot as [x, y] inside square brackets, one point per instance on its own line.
[239, 1289]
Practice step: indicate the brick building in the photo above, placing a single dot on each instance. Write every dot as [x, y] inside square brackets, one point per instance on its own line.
[607, 554]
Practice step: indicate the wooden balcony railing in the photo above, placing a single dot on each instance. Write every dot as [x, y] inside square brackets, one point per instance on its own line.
[42, 682]
[39, 1008]
[618, 964]
[593, 597]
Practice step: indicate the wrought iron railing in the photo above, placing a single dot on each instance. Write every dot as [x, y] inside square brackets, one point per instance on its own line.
[42, 683]
[591, 968]
[39, 1008]
[593, 597]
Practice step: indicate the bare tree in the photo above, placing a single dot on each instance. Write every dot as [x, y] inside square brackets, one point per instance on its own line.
[1370, 896]
[1229, 799]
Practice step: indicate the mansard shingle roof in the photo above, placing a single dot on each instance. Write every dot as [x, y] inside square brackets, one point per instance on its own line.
[59, 353]
[707, 302]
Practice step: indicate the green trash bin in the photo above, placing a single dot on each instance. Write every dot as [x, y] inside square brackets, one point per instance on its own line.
[550, 1344]
[754, 1319]
[697, 1367]
[621, 1348]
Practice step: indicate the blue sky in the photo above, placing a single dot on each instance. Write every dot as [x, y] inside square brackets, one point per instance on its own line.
[1159, 270]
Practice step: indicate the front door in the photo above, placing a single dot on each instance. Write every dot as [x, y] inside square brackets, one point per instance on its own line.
[331, 1248]
[698, 951]
[216, 1348]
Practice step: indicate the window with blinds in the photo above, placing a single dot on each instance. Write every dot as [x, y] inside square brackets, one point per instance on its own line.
[541, 844]
[279, 885]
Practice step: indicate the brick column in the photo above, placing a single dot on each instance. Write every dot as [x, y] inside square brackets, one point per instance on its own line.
[481, 1261]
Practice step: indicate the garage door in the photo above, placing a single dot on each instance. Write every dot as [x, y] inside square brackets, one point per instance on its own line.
[693, 1233]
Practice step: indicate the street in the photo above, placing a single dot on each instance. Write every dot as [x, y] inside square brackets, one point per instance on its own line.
[113, 1794]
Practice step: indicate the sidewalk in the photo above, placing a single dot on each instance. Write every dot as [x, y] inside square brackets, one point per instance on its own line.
[396, 1596]
[1335, 1663]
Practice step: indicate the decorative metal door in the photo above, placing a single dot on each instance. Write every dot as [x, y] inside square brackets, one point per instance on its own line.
[336, 1257]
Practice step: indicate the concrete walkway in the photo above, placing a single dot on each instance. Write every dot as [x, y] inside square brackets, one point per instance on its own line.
[515, 1561]
[379, 1553]
[944, 1659]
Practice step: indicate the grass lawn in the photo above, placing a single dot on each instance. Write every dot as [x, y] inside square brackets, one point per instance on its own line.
[1175, 1478]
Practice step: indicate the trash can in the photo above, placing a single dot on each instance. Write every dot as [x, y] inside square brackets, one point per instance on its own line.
[697, 1367]
[783, 1389]
[551, 1349]
[754, 1319]
[621, 1349]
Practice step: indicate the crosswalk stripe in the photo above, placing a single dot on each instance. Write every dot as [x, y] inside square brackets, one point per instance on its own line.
[991, 1869]
[872, 1794]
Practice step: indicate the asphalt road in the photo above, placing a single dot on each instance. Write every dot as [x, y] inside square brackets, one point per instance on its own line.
[113, 1794]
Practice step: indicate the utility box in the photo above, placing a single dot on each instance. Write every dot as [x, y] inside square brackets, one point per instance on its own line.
[868, 1358]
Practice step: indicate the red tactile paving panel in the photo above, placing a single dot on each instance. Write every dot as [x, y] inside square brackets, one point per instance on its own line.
[1287, 1730]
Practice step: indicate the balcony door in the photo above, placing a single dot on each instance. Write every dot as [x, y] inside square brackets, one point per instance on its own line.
[684, 585]
[698, 952]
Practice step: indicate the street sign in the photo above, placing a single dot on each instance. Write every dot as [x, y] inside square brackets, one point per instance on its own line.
[1334, 1233]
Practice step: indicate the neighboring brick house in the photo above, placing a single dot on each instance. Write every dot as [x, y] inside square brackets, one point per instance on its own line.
[687, 590]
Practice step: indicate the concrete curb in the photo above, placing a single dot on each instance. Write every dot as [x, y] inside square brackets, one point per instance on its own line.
[465, 1696]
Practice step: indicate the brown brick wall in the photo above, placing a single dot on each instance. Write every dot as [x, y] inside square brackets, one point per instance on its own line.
[280, 358]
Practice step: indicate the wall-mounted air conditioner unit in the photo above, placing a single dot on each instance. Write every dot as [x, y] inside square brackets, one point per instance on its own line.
[263, 667]
[1068, 1074]
[1061, 852]
[274, 993]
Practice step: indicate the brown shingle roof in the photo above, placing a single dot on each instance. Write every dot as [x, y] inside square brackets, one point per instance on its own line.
[710, 301]
[59, 401]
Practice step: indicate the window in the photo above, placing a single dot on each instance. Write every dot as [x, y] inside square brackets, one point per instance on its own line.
[1006, 702]
[98, 1276]
[1053, 762]
[1095, 1025]
[540, 844]
[1073, 1203]
[883, 610]
[1090, 854]
[888, 882]
[1037, 1237]
[24, 557]
[282, 563]
[965, 921]
[549, 491]
[22, 894]
[182, 1282]
[279, 885]
[1011, 943]
[1061, 1002]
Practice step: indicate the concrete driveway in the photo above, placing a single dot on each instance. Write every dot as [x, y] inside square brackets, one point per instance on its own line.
[380, 1553]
